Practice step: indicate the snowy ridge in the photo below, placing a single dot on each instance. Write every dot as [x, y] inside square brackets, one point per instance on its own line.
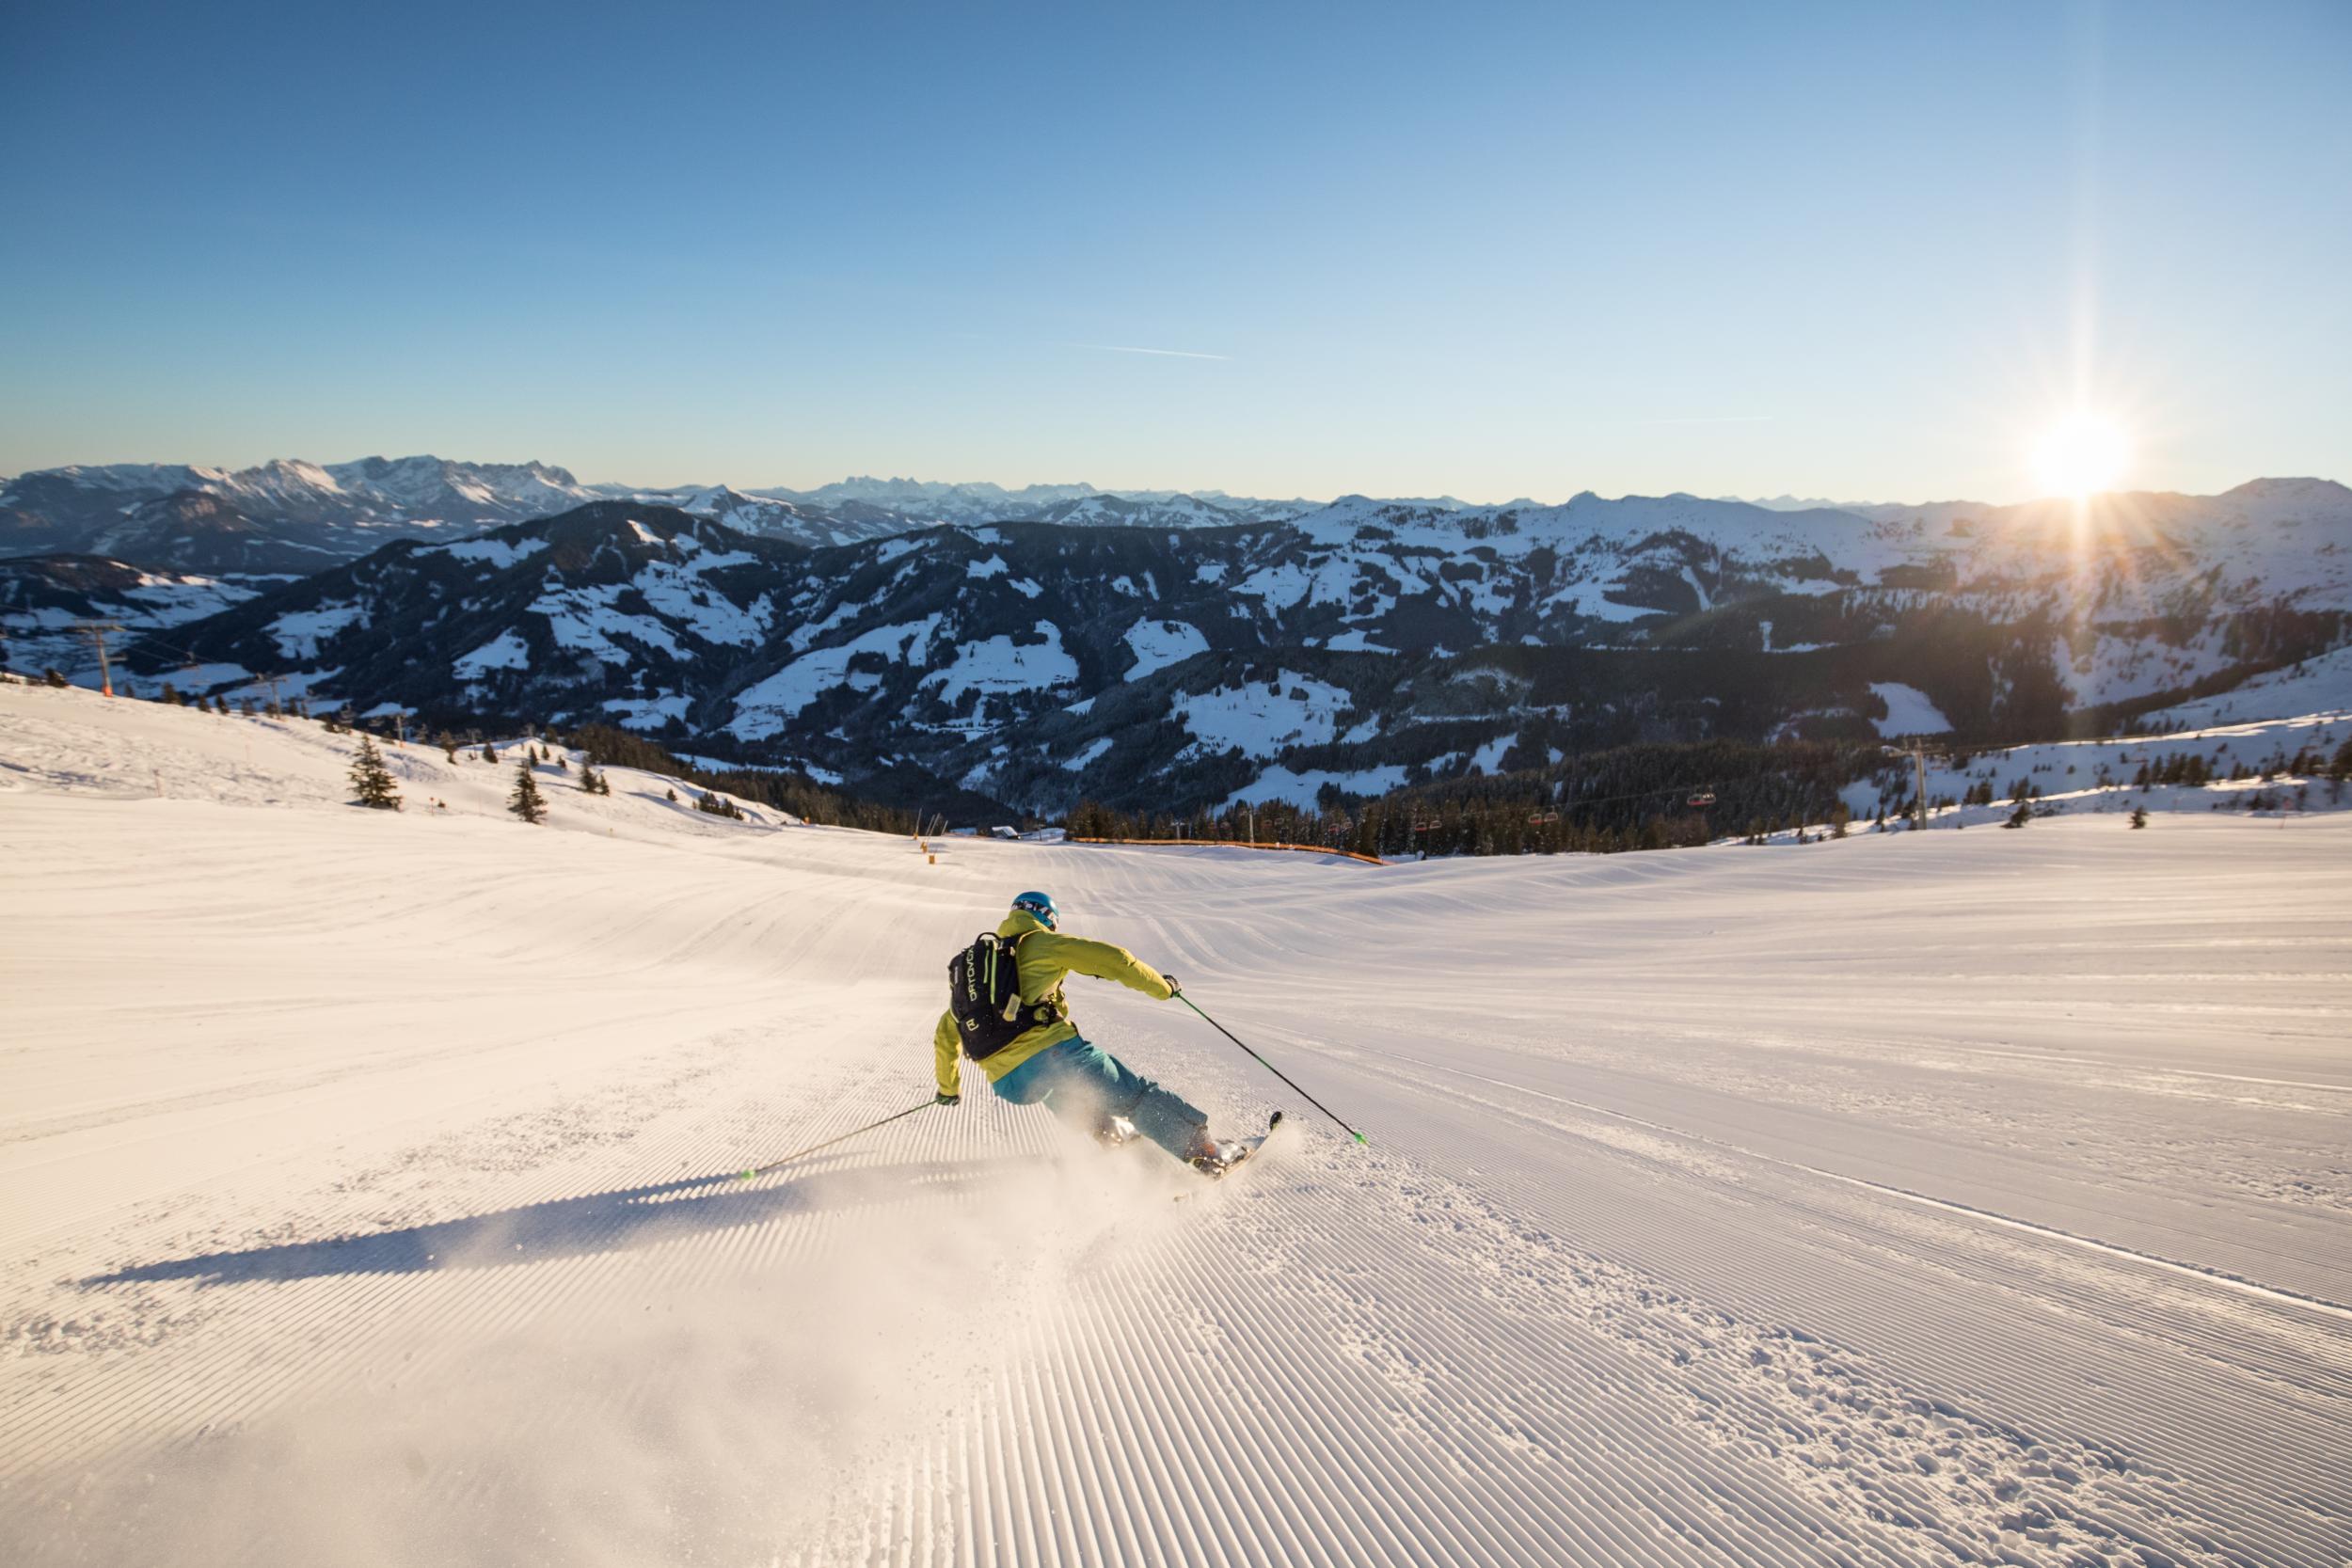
[1719, 1208]
[1120, 512]
[1405, 617]
[1549, 629]
[280, 517]
[293, 517]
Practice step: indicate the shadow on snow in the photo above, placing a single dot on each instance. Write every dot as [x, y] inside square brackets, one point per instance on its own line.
[574, 1226]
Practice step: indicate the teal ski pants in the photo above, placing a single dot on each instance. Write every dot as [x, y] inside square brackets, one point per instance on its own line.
[1086, 1086]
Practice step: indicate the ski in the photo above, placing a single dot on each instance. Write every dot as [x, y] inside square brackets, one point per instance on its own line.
[1245, 1149]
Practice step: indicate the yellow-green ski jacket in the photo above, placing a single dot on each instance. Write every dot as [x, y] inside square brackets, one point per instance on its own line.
[1047, 959]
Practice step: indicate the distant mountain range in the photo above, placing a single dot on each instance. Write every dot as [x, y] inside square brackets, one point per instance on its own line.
[1345, 651]
[288, 517]
[280, 517]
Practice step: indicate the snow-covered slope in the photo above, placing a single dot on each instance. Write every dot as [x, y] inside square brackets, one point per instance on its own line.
[2310, 687]
[1906, 1199]
[2266, 767]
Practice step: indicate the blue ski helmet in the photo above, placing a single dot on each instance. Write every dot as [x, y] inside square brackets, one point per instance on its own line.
[1041, 906]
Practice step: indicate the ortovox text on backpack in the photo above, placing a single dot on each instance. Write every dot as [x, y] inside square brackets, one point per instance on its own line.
[984, 994]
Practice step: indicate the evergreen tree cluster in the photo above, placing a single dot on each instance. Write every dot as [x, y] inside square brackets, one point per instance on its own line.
[1643, 797]
[2183, 768]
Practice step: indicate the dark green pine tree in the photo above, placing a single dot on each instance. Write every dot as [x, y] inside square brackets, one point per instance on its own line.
[449, 746]
[2139, 816]
[370, 780]
[527, 803]
[488, 754]
[2018, 818]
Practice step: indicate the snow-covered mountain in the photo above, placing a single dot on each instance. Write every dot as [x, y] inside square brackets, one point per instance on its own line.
[281, 516]
[288, 517]
[44, 599]
[924, 502]
[425, 490]
[1366, 645]
[1128, 511]
[770, 518]
[934, 501]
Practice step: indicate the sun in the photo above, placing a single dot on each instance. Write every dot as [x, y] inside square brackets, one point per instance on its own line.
[2082, 454]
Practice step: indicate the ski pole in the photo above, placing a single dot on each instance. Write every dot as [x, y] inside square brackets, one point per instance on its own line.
[802, 1153]
[1268, 1066]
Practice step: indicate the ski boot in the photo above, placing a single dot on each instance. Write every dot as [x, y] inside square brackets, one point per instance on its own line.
[1213, 1158]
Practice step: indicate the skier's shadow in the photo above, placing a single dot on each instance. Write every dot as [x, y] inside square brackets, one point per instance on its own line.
[573, 1227]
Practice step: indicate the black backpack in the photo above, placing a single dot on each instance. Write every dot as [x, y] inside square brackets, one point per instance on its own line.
[984, 994]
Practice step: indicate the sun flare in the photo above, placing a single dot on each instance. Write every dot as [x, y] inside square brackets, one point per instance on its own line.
[2081, 455]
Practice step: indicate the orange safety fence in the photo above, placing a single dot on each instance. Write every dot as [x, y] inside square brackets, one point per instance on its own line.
[1234, 844]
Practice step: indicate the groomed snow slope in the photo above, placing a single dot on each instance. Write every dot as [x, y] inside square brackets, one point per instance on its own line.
[1910, 1199]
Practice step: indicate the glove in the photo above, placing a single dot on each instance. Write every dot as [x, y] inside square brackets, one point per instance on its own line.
[949, 1099]
[1172, 986]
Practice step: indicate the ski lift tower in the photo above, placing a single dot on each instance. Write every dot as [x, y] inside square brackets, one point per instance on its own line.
[1914, 748]
[96, 631]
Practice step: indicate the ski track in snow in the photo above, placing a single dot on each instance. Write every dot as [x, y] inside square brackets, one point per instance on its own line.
[1908, 1199]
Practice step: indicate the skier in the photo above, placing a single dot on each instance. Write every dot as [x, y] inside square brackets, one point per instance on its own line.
[1051, 1062]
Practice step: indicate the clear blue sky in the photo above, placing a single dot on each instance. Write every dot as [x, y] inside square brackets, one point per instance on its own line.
[1860, 250]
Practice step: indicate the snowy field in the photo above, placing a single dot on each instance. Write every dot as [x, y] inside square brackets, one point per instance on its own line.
[1912, 1199]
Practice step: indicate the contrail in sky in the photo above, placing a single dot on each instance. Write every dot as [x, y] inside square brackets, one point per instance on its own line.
[1164, 352]
[1700, 419]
